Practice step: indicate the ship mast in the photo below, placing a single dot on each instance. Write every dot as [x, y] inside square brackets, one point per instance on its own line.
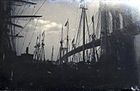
[67, 46]
[93, 39]
[84, 11]
[61, 46]
[83, 25]
[42, 47]
[37, 48]
[83, 7]
[52, 53]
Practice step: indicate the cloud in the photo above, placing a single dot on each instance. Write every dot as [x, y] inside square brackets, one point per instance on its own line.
[52, 25]
[45, 25]
[41, 21]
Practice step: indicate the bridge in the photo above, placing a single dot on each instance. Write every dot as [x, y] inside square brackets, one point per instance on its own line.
[80, 48]
[129, 29]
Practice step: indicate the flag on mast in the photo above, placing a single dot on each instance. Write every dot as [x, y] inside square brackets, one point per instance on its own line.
[43, 33]
[73, 41]
[66, 22]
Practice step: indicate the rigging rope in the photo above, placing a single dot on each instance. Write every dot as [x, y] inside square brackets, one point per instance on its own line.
[79, 28]
[87, 26]
[33, 15]
[33, 33]
[21, 12]
[23, 42]
[98, 21]
[29, 22]
[18, 19]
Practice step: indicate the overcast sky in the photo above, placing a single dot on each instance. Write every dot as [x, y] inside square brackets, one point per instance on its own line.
[55, 13]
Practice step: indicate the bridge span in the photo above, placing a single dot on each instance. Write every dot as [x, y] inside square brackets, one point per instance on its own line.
[80, 48]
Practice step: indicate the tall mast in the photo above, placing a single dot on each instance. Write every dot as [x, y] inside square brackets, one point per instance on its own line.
[37, 48]
[52, 53]
[67, 44]
[83, 10]
[84, 23]
[42, 47]
[61, 45]
[93, 39]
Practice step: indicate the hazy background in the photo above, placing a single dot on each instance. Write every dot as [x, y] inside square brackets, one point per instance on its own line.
[55, 13]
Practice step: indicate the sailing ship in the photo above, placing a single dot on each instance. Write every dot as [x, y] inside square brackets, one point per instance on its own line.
[108, 58]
